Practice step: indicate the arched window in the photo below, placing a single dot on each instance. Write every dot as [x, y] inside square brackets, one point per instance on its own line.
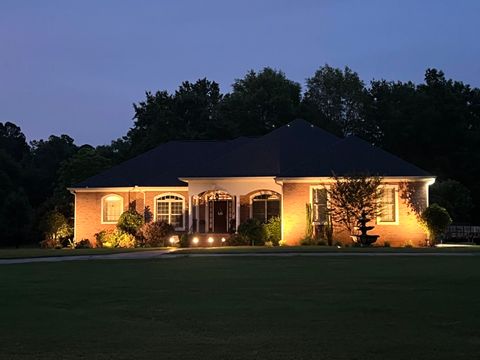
[112, 208]
[265, 206]
[170, 209]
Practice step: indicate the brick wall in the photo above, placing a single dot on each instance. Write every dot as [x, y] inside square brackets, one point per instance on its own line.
[88, 217]
[407, 232]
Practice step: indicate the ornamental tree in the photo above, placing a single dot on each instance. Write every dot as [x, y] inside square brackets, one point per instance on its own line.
[350, 197]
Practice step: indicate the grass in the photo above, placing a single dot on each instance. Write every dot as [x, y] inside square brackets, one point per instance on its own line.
[11, 253]
[243, 308]
[322, 249]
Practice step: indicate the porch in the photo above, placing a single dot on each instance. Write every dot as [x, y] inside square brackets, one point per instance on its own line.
[218, 209]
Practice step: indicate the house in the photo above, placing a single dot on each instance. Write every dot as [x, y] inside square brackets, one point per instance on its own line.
[210, 187]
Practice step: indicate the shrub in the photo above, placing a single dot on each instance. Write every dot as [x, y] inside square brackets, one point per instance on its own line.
[184, 241]
[435, 219]
[130, 222]
[82, 244]
[238, 240]
[107, 238]
[282, 243]
[56, 229]
[273, 230]
[386, 244]
[308, 241]
[155, 234]
[125, 240]
[254, 231]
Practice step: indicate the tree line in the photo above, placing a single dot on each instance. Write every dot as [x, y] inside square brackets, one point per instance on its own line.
[435, 125]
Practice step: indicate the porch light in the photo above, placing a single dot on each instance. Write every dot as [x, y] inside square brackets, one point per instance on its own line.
[195, 240]
[210, 240]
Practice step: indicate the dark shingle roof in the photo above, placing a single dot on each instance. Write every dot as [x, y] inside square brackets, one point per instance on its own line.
[297, 149]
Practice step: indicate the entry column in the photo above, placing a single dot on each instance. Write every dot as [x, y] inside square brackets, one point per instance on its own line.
[237, 212]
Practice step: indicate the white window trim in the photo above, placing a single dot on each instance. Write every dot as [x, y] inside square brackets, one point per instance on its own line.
[312, 187]
[265, 192]
[379, 218]
[155, 208]
[101, 208]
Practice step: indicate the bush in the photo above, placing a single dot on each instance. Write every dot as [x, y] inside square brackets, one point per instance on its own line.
[308, 241]
[386, 244]
[83, 244]
[155, 234]
[115, 239]
[107, 238]
[125, 240]
[238, 240]
[435, 219]
[273, 230]
[130, 222]
[254, 231]
[56, 229]
[184, 241]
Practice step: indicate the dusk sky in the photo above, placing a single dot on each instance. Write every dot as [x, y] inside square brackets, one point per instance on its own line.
[76, 67]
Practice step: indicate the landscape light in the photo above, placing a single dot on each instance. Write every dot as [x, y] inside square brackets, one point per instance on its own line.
[210, 240]
[195, 240]
[172, 240]
[223, 240]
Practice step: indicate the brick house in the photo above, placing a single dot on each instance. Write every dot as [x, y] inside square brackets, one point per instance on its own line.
[209, 187]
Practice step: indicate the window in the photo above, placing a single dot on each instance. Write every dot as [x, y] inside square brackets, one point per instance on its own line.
[112, 208]
[388, 206]
[170, 210]
[319, 205]
[265, 206]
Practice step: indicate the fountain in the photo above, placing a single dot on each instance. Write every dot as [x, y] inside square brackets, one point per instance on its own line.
[363, 239]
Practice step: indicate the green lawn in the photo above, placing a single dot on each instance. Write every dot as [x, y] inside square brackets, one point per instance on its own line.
[243, 308]
[37, 252]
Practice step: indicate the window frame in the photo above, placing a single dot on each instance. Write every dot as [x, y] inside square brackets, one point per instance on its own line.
[380, 204]
[155, 208]
[102, 208]
[270, 193]
[314, 187]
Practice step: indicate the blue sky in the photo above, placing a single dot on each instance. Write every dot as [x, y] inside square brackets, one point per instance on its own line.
[76, 67]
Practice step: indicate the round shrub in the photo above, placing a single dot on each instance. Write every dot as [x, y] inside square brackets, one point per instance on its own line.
[107, 238]
[254, 231]
[126, 240]
[56, 230]
[130, 222]
[155, 234]
[435, 219]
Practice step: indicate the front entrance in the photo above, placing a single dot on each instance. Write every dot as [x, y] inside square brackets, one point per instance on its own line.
[220, 218]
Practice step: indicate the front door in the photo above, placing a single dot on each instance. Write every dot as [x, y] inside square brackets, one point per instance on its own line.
[220, 211]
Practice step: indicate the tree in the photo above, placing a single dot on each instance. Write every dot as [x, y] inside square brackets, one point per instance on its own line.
[261, 102]
[15, 218]
[85, 163]
[435, 220]
[190, 113]
[13, 141]
[335, 100]
[351, 196]
[454, 197]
